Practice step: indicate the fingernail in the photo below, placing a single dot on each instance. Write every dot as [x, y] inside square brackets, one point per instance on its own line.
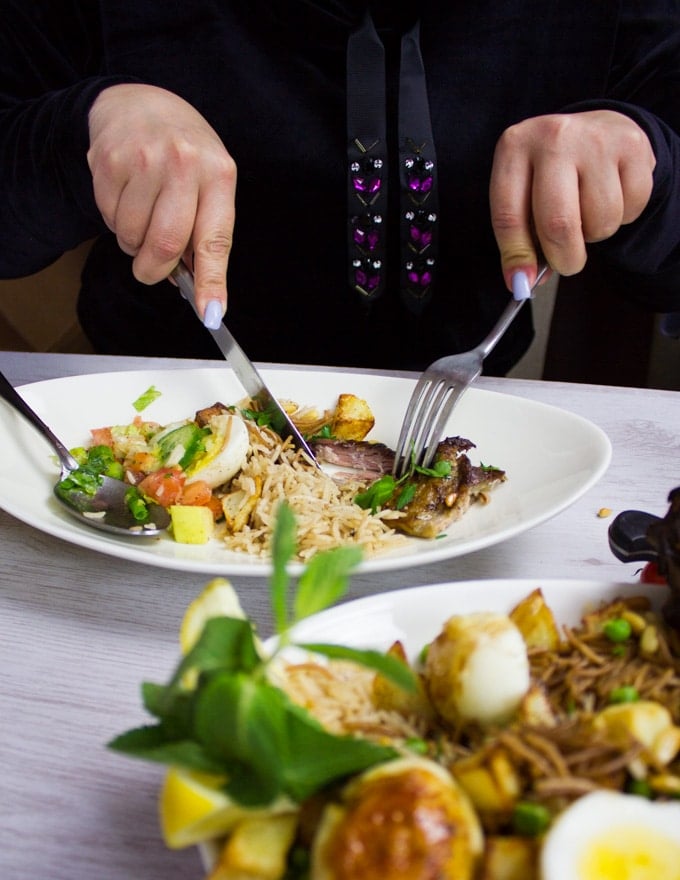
[212, 317]
[521, 289]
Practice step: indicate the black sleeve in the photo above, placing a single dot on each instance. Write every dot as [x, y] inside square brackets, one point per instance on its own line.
[50, 74]
[643, 258]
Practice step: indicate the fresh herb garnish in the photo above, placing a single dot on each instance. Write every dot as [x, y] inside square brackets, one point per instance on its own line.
[147, 398]
[95, 463]
[220, 714]
[388, 486]
[269, 417]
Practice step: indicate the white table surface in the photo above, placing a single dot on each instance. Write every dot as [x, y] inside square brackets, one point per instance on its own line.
[79, 631]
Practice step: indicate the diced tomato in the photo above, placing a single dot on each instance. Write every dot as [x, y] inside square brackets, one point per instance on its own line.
[102, 437]
[200, 494]
[216, 506]
[650, 574]
[164, 486]
[196, 493]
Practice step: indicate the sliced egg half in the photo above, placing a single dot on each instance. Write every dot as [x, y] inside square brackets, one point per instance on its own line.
[402, 820]
[608, 835]
[225, 454]
[477, 669]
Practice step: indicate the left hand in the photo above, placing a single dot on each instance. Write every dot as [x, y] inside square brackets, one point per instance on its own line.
[561, 181]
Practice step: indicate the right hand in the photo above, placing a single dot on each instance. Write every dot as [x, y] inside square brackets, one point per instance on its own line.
[165, 185]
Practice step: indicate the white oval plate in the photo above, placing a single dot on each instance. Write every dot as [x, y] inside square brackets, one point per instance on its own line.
[551, 456]
[415, 616]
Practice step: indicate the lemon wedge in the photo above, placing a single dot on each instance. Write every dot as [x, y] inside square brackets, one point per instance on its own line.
[217, 599]
[193, 808]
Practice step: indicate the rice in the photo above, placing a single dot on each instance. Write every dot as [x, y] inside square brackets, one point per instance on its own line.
[339, 695]
[326, 515]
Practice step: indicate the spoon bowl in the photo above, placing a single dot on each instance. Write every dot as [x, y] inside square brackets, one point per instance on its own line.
[106, 508]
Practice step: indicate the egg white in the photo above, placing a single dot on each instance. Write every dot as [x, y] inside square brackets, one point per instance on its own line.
[609, 835]
[226, 451]
[477, 669]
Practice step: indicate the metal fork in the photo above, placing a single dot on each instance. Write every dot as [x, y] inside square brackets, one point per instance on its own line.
[439, 389]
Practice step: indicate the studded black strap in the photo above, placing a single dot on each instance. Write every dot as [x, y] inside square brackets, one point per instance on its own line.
[367, 179]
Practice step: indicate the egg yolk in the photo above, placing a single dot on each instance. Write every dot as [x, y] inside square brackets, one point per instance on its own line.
[631, 853]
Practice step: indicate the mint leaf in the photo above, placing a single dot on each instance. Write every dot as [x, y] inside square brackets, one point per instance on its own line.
[325, 580]
[283, 549]
[391, 667]
[377, 494]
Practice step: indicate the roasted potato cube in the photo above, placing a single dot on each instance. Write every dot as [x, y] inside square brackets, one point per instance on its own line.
[257, 849]
[390, 697]
[490, 781]
[509, 858]
[535, 621]
[352, 419]
[535, 708]
[191, 525]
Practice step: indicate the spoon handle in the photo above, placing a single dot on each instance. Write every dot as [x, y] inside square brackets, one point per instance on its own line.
[8, 393]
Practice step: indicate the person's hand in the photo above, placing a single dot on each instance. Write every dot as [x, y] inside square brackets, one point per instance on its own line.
[561, 181]
[165, 185]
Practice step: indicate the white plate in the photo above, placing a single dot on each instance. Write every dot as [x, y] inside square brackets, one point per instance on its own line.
[415, 615]
[551, 456]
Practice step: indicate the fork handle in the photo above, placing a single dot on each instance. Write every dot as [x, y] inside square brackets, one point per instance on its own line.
[506, 318]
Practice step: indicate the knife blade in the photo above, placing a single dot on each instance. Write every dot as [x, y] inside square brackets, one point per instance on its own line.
[244, 368]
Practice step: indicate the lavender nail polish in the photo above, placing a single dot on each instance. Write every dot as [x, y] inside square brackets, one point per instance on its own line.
[521, 289]
[212, 317]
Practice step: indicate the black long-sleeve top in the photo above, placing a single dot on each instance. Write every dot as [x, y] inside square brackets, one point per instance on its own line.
[271, 77]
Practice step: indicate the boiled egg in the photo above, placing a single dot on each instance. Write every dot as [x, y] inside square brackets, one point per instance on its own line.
[226, 450]
[608, 835]
[477, 669]
[404, 820]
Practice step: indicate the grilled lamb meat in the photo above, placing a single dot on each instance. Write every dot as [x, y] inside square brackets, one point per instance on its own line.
[361, 455]
[439, 501]
[204, 416]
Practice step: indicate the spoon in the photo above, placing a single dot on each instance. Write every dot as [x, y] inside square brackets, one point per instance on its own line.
[107, 508]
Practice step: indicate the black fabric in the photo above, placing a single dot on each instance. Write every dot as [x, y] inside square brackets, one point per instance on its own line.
[270, 76]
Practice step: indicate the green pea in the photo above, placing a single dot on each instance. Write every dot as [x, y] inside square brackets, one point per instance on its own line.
[617, 629]
[530, 819]
[417, 745]
[624, 694]
[640, 787]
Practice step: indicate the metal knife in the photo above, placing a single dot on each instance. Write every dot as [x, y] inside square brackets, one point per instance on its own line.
[244, 368]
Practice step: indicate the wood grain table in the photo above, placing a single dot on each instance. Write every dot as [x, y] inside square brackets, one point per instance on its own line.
[79, 631]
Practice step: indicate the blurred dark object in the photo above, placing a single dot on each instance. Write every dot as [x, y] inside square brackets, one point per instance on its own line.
[664, 536]
[636, 536]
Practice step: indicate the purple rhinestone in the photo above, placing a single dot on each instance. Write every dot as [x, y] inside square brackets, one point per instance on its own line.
[421, 237]
[360, 278]
[372, 240]
[359, 236]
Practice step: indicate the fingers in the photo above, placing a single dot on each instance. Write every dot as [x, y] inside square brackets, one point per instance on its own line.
[165, 185]
[560, 182]
[510, 199]
[212, 242]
